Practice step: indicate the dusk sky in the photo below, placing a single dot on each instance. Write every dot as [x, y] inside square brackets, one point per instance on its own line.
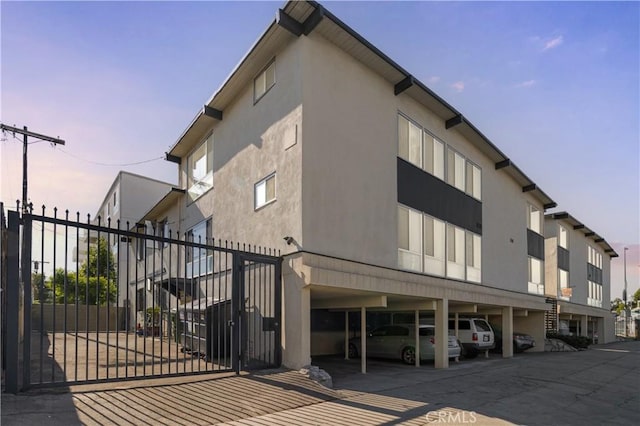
[555, 85]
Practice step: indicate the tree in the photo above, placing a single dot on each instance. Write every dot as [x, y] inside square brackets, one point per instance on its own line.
[95, 283]
[636, 296]
[617, 306]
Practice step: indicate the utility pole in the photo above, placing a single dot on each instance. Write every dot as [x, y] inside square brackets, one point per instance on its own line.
[26, 134]
[624, 295]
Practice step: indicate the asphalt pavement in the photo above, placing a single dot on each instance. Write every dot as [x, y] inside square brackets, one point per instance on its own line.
[599, 386]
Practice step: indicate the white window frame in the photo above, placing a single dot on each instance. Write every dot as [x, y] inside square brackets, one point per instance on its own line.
[456, 169]
[260, 192]
[456, 251]
[532, 224]
[595, 294]
[563, 237]
[473, 246]
[434, 155]
[474, 180]
[197, 256]
[199, 185]
[410, 246]
[264, 81]
[410, 141]
[435, 237]
[563, 282]
[536, 279]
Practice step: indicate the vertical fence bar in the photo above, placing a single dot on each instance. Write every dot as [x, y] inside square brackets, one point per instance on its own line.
[118, 290]
[66, 287]
[53, 281]
[278, 310]
[107, 301]
[97, 301]
[77, 293]
[13, 301]
[42, 300]
[127, 325]
[152, 280]
[86, 304]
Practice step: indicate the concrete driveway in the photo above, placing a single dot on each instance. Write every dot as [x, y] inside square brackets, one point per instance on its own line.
[594, 387]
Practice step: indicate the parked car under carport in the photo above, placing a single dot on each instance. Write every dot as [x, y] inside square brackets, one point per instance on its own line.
[521, 341]
[398, 342]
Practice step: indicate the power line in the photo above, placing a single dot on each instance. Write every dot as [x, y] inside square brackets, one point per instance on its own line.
[109, 164]
[91, 161]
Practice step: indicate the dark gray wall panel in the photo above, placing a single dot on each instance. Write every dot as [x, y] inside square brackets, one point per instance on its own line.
[420, 190]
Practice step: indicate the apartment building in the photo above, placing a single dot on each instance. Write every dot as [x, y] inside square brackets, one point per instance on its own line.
[381, 196]
[577, 273]
[129, 197]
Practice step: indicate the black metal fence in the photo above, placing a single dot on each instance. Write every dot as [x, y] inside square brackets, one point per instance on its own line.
[91, 301]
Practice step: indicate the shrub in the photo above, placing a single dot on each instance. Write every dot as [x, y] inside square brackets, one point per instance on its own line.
[578, 342]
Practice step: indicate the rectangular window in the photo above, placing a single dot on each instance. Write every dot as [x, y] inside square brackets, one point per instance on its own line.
[563, 237]
[456, 169]
[595, 294]
[474, 260]
[536, 273]
[265, 191]
[264, 81]
[409, 239]
[409, 141]
[434, 246]
[594, 257]
[162, 230]
[455, 252]
[563, 284]
[433, 156]
[199, 260]
[474, 181]
[200, 169]
[534, 219]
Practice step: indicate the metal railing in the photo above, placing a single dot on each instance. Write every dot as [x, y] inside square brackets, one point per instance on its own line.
[105, 303]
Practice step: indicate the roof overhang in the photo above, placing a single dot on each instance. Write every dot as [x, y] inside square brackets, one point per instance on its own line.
[301, 17]
[582, 228]
[165, 203]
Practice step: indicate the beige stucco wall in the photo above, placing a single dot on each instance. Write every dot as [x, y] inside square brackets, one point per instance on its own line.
[250, 143]
[349, 195]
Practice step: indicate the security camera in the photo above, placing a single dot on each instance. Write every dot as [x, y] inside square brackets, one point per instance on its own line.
[289, 240]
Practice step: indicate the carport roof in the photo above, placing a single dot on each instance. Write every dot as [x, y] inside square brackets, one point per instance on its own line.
[302, 17]
[581, 227]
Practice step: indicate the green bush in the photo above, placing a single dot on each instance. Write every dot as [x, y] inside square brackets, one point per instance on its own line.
[578, 342]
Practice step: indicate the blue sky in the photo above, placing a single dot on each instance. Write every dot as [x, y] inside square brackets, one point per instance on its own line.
[555, 85]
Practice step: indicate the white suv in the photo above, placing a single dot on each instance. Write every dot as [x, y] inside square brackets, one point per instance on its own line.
[475, 335]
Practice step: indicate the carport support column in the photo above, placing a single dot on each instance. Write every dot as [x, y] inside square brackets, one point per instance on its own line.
[442, 332]
[296, 319]
[346, 334]
[584, 326]
[507, 332]
[363, 340]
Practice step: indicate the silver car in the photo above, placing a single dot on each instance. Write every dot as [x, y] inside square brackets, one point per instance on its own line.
[398, 342]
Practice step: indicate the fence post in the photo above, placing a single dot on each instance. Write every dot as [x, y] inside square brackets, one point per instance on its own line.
[236, 312]
[26, 282]
[13, 303]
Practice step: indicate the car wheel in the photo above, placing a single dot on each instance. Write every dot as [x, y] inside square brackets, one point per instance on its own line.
[409, 355]
[353, 351]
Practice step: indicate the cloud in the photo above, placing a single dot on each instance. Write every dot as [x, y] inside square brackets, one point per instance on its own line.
[433, 79]
[553, 43]
[458, 86]
[528, 83]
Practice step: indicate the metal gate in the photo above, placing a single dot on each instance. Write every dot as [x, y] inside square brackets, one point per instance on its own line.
[93, 302]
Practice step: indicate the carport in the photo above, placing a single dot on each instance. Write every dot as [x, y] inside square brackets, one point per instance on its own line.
[341, 300]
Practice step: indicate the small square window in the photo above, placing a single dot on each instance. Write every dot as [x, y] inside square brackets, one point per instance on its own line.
[265, 191]
[264, 81]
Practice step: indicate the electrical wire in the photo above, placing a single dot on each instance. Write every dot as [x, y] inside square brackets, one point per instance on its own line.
[109, 164]
[135, 163]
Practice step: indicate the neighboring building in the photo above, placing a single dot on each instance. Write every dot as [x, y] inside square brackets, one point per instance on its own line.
[129, 197]
[577, 272]
[382, 196]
